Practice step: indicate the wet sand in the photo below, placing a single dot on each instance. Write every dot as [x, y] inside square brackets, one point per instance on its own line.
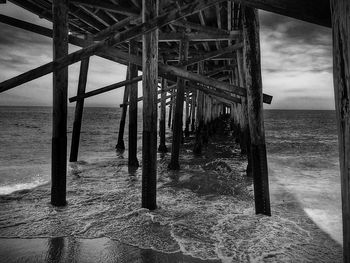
[205, 214]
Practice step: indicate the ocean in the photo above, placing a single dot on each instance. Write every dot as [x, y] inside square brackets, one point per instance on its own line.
[205, 211]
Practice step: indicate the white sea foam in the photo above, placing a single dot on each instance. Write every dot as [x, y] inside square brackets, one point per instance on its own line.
[8, 189]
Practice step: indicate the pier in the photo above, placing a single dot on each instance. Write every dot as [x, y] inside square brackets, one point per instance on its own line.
[200, 60]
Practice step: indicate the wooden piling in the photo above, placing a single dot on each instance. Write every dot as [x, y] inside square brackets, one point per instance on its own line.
[120, 144]
[162, 147]
[197, 149]
[187, 116]
[245, 133]
[149, 84]
[59, 123]
[341, 73]
[177, 129]
[79, 107]
[251, 54]
[193, 111]
[133, 94]
[170, 109]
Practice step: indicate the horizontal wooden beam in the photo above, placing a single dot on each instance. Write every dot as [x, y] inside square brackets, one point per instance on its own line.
[105, 89]
[205, 29]
[108, 6]
[211, 55]
[217, 93]
[176, 37]
[313, 11]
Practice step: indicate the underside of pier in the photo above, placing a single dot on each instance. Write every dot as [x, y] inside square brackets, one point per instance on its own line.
[200, 60]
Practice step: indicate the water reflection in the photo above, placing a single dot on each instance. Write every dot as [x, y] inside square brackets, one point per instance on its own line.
[70, 249]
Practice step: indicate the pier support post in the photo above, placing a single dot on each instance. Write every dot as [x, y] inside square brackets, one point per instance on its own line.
[193, 111]
[79, 107]
[177, 129]
[187, 116]
[170, 109]
[251, 54]
[245, 133]
[341, 66]
[162, 146]
[60, 86]
[197, 149]
[120, 144]
[149, 84]
[133, 94]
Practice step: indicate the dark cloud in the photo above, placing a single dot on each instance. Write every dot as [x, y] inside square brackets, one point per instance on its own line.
[295, 30]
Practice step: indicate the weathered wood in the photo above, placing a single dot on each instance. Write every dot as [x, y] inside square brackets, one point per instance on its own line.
[150, 83]
[162, 147]
[187, 116]
[177, 131]
[210, 55]
[48, 33]
[193, 112]
[79, 107]
[197, 149]
[133, 93]
[120, 143]
[26, 25]
[341, 67]
[206, 29]
[215, 92]
[251, 54]
[144, 28]
[105, 89]
[199, 37]
[105, 5]
[170, 109]
[313, 11]
[59, 122]
[245, 132]
[114, 29]
[117, 55]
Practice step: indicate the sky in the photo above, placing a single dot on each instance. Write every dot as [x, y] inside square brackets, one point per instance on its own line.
[296, 64]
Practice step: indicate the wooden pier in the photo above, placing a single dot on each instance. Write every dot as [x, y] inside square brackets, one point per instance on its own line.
[201, 58]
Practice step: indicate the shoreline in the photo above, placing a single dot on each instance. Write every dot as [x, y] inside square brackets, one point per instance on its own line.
[205, 210]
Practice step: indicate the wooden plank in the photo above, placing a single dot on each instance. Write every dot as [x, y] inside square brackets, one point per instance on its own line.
[251, 54]
[199, 37]
[341, 75]
[132, 151]
[210, 55]
[144, 28]
[120, 143]
[177, 131]
[79, 107]
[162, 147]
[108, 6]
[313, 11]
[149, 85]
[199, 27]
[105, 89]
[59, 108]
[26, 25]
[114, 29]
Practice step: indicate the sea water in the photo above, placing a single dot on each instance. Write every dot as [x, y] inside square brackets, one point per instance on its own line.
[205, 210]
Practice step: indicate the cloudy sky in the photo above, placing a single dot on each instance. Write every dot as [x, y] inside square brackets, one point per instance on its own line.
[296, 63]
